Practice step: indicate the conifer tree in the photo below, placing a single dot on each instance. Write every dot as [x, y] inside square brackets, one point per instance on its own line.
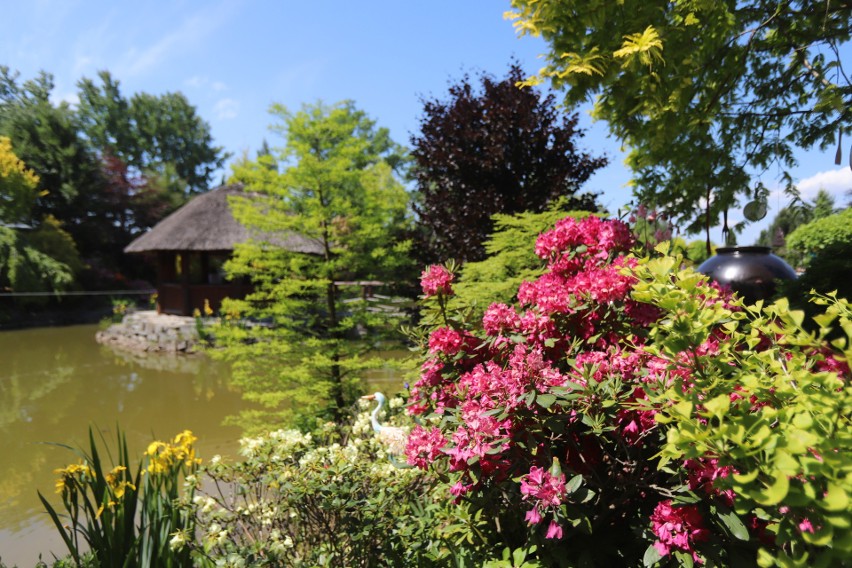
[302, 339]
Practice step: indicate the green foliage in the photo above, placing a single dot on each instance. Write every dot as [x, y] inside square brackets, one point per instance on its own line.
[155, 134]
[829, 271]
[823, 205]
[300, 342]
[47, 138]
[125, 517]
[54, 241]
[25, 268]
[701, 93]
[87, 560]
[768, 403]
[110, 167]
[42, 259]
[821, 233]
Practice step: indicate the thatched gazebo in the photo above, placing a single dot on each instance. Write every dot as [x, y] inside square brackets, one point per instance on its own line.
[193, 243]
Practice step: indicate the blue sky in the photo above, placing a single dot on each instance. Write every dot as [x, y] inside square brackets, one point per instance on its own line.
[232, 59]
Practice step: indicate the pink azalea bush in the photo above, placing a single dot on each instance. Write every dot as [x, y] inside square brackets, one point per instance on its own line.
[607, 414]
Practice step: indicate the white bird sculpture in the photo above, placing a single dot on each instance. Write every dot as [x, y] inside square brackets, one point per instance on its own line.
[393, 438]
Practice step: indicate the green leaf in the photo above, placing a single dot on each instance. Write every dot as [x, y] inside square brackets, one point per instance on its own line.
[684, 558]
[683, 408]
[574, 484]
[820, 537]
[745, 478]
[836, 498]
[774, 493]
[652, 556]
[545, 400]
[718, 406]
[733, 523]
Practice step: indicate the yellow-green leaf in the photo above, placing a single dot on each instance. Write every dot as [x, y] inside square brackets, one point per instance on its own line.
[774, 493]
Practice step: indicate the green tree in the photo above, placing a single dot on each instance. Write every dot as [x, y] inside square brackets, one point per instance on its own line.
[789, 218]
[111, 168]
[155, 134]
[702, 93]
[24, 268]
[47, 138]
[824, 248]
[823, 205]
[341, 209]
[784, 223]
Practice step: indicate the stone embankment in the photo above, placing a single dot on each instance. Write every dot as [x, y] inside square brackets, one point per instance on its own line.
[148, 331]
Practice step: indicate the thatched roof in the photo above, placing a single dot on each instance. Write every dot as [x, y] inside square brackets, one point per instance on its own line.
[205, 223]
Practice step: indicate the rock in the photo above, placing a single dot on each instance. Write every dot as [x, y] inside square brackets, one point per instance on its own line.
[148, 331]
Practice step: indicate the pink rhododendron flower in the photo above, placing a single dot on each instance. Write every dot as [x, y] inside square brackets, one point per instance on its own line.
[600, 237]
[538, 328]
[827, 362]
[678, 528]
[500, 318]
[554, 530]
[533, 517]
[805, 526]
[424, 446]
[550, 293]
[546, 489]
[430, 372]
[459, 489]
[446, 340]
[702, 474]
[436, 280]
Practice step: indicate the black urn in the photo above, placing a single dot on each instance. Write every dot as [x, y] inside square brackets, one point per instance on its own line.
[750, 271]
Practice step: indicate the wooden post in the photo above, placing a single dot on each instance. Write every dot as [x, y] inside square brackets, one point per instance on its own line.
[184, 280]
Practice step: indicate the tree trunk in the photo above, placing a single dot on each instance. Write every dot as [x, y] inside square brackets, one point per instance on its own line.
[707, 223]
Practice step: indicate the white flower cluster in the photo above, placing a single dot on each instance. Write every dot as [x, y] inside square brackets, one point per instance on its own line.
[215, 535]
[279, 545]
[209, 507]
[278, 445]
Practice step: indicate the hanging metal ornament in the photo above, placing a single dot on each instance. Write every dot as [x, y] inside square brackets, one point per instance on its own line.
[838, 157]
[755, 210]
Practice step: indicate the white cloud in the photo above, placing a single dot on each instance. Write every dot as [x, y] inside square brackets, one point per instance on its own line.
[204, 83]
[836, 182]
[190, 34]
[195, 81]
[227, 108]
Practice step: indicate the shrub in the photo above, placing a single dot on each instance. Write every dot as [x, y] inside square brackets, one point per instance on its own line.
[829, 270]
[815, 236]
[298, 499]
[626, 411]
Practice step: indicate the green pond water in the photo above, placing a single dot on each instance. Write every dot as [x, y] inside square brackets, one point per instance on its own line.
[56, 382]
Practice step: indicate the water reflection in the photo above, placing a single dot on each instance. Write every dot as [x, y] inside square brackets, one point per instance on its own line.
[56, 382]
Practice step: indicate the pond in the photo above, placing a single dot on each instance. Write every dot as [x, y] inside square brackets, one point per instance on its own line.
[57, 382]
